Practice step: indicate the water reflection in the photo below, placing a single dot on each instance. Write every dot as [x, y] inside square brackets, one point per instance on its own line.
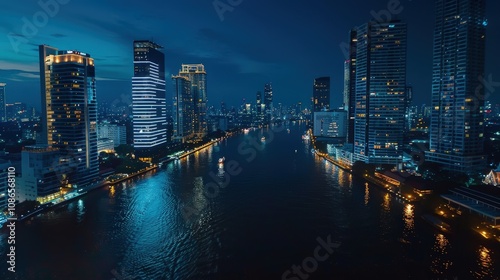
[367, 194]
[80, 211]
[485, 264]
[409, 223]
[440, 255]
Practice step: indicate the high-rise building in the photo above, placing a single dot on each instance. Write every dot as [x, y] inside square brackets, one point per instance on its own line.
[148, 97]
[457, 118]
[330, 124]
[321, 94]
[183, 109]
[380, 92]
[70, 110]
[197, 76]
[408, 111]
[260, 109]
[3, 112]
[350, 85]
[268, 102]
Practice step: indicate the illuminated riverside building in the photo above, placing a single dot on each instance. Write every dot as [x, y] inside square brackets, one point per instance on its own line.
[380, 92]
[4, 172]
[43, 171]
[321, 94]
[69, 111]
[149, 108]
[3, 112]
[350, 85]
[457, 116]
[197, 76]
[183, 110]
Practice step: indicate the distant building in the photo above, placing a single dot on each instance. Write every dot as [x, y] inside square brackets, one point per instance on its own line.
[69, 106]
[380, 92]
[3, 113]
[149, 109]
[4, 172]
[43, 173]
[118, 133]
[331, 124]
[197, 77]
[321, 94]
[268, 102]
[457, 118]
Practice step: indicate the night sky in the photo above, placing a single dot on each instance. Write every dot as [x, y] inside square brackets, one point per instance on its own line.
[286, 42]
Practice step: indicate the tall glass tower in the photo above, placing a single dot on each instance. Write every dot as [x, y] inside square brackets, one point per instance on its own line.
[350, 85]
[198, 77]
[183, 112]
[380, 92]
[268, 102]
[149, 108]
[457, 119]
[321, 94]
[70, 111]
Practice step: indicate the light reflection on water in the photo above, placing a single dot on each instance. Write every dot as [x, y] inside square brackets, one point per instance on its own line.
[440, 256]
[485, 264]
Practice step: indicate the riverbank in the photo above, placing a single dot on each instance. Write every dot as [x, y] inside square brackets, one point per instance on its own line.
[78, 193]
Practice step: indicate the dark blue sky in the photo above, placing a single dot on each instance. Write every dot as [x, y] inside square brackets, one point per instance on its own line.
[287, 42]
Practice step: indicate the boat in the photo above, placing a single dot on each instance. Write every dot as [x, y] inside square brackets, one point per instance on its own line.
[306, 137]
[437, 223]
[263, 139]
[221, 160]
[246, 130]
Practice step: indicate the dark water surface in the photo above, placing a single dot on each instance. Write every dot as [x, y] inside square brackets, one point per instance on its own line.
[278, 205]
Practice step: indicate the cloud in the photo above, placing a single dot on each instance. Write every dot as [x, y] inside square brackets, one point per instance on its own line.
[24, 67]
[29, 75]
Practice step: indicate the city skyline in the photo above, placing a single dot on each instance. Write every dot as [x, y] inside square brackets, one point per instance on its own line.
[247, 59]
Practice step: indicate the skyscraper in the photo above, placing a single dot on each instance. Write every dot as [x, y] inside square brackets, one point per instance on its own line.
[380, 92]
[260, 109]
[183, 109]
[3, 113]
[148, 97]
[198, 78]
[70, 110]
[350, 85]
[457, 120]
[268, 102]
[321, 94]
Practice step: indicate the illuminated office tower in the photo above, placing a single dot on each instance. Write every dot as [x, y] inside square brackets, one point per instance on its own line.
[350, 85]
[148, 97]
[457, 117]
[69, 106]
[321, 94]
[3, 113]
[198, 78]
[183, 109]
[268, 102]
[380, 92]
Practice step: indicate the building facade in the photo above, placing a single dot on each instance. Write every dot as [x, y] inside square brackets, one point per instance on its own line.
[331, 124]
[321, 94]
[457, 116]
[70, 120]
[149, 109]
[380, 92]
[350, 85]
[3, 112]
[197, 77]
[183, 109]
